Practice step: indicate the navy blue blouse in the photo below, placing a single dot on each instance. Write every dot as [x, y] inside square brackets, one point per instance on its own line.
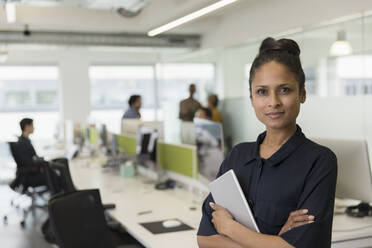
[300, 175]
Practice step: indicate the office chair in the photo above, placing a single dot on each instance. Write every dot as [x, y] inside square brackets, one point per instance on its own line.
[61, 167]
[78, 221]
[22, 185]
[58, 175]
[61, 164]
[60, 182]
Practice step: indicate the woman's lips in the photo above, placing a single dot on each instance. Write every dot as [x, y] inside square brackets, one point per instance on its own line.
[274, 115]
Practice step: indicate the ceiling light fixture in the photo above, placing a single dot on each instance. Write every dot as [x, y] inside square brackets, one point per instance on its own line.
[341, 47]
[190, 17]
[10, 10]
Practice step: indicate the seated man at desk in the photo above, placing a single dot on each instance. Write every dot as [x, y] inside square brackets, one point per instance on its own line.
[26, 153]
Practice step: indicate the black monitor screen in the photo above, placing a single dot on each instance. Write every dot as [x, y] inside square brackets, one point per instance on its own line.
[146, 147]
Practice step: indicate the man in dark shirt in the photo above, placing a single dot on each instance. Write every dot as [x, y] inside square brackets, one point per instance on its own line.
[135, 103]
[26, 154]
[189, 106]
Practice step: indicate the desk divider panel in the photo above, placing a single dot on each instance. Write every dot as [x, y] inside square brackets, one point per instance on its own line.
[93, 136]
[127, 144]
[181, 159]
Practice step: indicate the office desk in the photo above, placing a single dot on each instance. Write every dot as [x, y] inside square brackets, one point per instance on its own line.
[135, 195]
[132, 196]
[351, 232]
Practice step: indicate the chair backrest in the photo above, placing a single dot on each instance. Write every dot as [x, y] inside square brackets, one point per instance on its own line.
[62, 166]
[58, 176]
[78, 220]
[52, 183]
[14, 152]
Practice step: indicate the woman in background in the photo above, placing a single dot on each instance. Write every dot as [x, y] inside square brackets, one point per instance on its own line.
[212, 105]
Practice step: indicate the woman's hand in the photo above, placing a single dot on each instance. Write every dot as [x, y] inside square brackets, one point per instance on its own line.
[297, 218]
[222, 219]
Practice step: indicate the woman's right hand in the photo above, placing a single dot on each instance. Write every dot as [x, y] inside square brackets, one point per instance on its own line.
[297, 218]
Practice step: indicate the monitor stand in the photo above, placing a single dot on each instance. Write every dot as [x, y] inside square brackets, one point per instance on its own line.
[361, 210]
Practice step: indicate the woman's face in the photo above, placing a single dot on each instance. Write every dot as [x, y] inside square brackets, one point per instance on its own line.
[276, 96]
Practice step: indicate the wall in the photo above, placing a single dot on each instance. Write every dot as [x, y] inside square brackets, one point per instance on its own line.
[331, 117]
[267, 17]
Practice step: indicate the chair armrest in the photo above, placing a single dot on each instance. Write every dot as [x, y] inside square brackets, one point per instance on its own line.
[108, 206]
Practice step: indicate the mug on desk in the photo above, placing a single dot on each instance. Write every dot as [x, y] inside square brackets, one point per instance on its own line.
[127, 169]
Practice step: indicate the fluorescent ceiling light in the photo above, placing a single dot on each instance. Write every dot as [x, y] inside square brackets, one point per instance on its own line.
[190, 17]
[10, 9]
[341, 47]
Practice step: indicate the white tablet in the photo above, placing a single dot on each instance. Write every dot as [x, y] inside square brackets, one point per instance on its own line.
[227, 193]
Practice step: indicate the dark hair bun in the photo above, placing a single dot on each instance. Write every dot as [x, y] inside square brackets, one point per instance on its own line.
[288, 45]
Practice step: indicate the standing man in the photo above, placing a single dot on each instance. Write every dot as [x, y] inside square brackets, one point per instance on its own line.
[189, 106]
[135, 102]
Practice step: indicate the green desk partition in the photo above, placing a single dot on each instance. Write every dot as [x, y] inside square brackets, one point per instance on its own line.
[181, 159]
[93, 136]
[127, 144]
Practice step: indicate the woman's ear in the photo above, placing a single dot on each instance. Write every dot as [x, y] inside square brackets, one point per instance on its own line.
[303, 96]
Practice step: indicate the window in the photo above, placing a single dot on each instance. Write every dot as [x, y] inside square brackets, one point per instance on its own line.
[111, 87]
[28, 88]
[45, 97]
[17, 98]
[29, 91]
[174, 80]
[352, 75]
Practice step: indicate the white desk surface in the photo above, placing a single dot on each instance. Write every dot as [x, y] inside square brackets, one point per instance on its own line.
[351, 232]
[132, 196]
[135, 195]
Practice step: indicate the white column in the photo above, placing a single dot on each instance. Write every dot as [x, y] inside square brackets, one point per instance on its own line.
[75, 87]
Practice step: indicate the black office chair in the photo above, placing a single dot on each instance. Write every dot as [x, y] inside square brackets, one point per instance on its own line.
[60, 182]
[24, 186]
[61, 165]
[78, 221]
[58, 176]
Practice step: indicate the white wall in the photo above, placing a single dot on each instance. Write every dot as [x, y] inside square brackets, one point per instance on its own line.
[331, 117]
[230, 73]
[268, 17]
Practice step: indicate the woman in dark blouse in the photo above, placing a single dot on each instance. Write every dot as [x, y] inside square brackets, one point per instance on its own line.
[288, 180]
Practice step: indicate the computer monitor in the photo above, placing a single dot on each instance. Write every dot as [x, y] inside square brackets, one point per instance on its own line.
[188, 133]
[147, 138]
[354, 180]
[158, 125]
[209, 143]
[130, 127]
[114, 143]
[103, 136]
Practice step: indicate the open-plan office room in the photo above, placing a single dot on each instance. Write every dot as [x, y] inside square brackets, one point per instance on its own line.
[115, 118]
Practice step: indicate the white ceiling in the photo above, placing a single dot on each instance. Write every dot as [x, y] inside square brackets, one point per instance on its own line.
[132, 5]
[66, 17]
[235, 24]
